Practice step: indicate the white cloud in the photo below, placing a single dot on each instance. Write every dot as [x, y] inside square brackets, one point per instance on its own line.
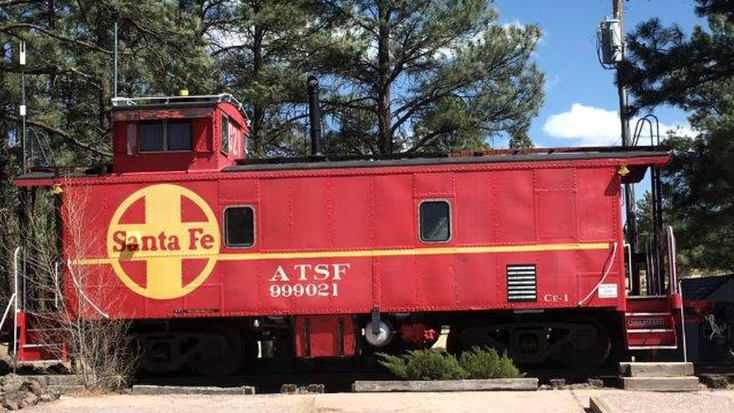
[513, 23]
[590, 126]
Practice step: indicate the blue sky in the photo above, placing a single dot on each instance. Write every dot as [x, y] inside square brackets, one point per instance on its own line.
[581, 100]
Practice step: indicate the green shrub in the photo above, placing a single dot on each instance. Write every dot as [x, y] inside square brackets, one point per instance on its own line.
[487, 364]
[435, 364]
[424, 365]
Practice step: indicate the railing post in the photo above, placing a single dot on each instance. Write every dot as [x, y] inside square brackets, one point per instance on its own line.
[15, 305]
[683, 323]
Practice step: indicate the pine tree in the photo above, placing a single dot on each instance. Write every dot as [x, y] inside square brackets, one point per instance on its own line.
[443, 75]
[694, 73]
[263, 51]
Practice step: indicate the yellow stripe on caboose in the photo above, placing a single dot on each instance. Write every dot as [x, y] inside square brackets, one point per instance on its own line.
[397, 252]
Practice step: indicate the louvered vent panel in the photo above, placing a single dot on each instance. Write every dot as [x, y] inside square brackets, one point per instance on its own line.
[521, 283]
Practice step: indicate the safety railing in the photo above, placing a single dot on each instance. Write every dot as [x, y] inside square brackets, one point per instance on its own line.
[13, 303]
[672, 260]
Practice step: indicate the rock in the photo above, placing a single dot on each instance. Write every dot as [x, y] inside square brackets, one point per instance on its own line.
[557, 383]
[28, 399]
[10, 383]
[596, 383]
[47, 397]
[11, 401]
[315, 388]
[715, 381]
[34, 386]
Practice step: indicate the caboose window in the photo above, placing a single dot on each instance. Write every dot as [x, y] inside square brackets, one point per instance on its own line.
[225, 134]
[435, 221]
[178, 135]
[151, 137]
[169, 135]
[239, 226]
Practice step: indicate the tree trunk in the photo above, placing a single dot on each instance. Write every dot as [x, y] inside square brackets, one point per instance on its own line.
[258, 111]
[104, 95]
[384, 114]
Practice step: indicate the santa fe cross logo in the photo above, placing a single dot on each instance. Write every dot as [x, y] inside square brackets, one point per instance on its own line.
[164, 242]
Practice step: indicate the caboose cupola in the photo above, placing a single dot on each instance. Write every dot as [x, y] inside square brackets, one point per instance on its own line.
[179, 133]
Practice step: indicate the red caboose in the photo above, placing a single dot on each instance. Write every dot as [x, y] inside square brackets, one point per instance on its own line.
[211, 253]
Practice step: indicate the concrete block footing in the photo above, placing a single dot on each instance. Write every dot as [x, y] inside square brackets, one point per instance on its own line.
[672, 384]
[670, 369]
[156, 390]
[599, 405]
[445, 385]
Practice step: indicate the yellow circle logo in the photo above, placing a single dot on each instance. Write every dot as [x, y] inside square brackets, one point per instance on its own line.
[163, 242]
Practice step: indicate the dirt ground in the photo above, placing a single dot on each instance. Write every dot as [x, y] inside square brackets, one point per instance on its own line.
[558, 401]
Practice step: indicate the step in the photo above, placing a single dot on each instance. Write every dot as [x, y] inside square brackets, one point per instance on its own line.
[674, 369]
[672, 384]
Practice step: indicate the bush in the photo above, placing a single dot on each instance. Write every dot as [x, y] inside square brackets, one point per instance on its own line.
[487, 364]
[435, 364]
[424, 365]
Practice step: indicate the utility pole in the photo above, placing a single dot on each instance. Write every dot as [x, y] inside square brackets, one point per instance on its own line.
[629, 189]
[116, 16]
[23, 150]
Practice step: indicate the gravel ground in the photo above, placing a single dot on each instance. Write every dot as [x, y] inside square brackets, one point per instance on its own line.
[460, 402]
[721, 401]
[172, 404]
[557, 401]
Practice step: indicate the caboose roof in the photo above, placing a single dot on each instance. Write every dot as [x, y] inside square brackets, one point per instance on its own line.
[649, 156]
[175, 102]
[637, 159]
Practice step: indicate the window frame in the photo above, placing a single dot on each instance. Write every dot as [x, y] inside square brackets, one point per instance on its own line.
[450, 216]
[165, 136]
[224, 226]
[224, 120]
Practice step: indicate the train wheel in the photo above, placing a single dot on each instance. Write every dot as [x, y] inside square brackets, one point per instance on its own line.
[588, 345]
[453, 341]
[223, 353]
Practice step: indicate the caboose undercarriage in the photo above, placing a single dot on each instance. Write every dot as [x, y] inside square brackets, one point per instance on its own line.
[228, 346]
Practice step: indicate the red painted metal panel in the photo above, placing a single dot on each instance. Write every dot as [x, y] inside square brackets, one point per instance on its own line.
[556, 215]
[345, 241]
[394, 219]
[473, 208]
[434, 185]
[598, 193]
[350, 212]
[513, 206]
[324, 336]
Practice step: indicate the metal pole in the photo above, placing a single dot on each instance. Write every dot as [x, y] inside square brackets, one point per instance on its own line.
[115, 69]
[683, 323]
[24, 161]
[314, 111]
[629, 189]
[15, 310]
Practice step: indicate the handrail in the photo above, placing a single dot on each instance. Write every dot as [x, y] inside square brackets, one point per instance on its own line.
[15, 304]
[56, 285]
[604, 276]
[81, 292]
[672, 261]
[7, 310]
[221, 97]
[683, 323]
[628, 247]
